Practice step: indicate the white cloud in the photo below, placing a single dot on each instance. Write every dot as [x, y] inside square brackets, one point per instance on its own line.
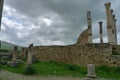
[47, 21]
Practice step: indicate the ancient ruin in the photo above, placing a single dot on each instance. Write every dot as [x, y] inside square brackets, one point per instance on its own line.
[86, 35]
[84, 52]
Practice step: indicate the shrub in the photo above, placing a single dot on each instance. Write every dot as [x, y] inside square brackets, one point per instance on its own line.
[29, 70]
[73, 68]
[117, 70]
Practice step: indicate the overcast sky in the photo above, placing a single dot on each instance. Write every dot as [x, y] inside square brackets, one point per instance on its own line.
[53, 22]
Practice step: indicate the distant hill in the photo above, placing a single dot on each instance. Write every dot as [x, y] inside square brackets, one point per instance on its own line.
[8, 46]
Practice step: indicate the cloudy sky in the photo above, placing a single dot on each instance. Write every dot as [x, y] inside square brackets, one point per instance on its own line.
[53, 22]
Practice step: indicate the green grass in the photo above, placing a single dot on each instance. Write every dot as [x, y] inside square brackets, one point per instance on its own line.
[51, 68]
[15, 70]
[108, 72]
[59, 69]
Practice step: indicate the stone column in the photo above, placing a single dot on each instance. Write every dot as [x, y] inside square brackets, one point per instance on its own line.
[101, 32]
[91, 72]
[14, 54]
[89, 27]
[115, 31]
[30, 54]
[1, 9]
[109, 23]
[113, 27]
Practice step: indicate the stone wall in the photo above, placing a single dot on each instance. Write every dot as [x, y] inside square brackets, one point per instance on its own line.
[80, 55]
[83, 38]
[116, 50]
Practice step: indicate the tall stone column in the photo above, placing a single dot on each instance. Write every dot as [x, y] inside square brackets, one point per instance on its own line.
[115, 31]
[1, 9]
[113, 27]
[14, 54]
[109, 23]
[30, 54]
[89, 27]
[101, 32]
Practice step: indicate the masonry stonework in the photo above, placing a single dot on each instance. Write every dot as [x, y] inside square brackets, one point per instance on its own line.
[14, 57]
[80, 55]
[83, 38]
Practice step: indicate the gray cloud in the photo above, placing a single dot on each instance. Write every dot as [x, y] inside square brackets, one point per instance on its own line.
[67, 20]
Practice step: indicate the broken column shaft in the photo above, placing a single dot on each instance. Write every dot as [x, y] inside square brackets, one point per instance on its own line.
[14, 54]
[89, 27]
[30, 54]
[91, 72]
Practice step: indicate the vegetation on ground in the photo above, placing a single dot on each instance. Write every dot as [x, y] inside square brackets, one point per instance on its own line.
[59, 69]
[3, 50]
[29, 70]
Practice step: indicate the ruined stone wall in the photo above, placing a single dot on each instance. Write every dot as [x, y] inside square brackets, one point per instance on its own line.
[116, 50]
[83, 38]
[24, 53]
[81, 55]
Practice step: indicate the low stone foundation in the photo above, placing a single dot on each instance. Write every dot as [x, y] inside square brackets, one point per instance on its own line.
[81, 55]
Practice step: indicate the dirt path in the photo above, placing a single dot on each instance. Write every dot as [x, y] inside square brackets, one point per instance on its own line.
[5, 75]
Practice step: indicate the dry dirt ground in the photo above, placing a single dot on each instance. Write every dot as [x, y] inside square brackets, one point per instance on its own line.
[5, 75]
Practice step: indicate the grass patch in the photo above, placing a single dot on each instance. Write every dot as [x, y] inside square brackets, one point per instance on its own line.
[59, 69]
[108, 72]
[29, 70]
[53, 68]
[19, 70]
[50, 68]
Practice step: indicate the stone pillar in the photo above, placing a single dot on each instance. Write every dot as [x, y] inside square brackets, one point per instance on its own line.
[1, 9]
[89, 27]
[113, 27]
[101, 32]
[91, 72]
[30, 54]
[109, 23]
[14, 57]
[115, 31]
